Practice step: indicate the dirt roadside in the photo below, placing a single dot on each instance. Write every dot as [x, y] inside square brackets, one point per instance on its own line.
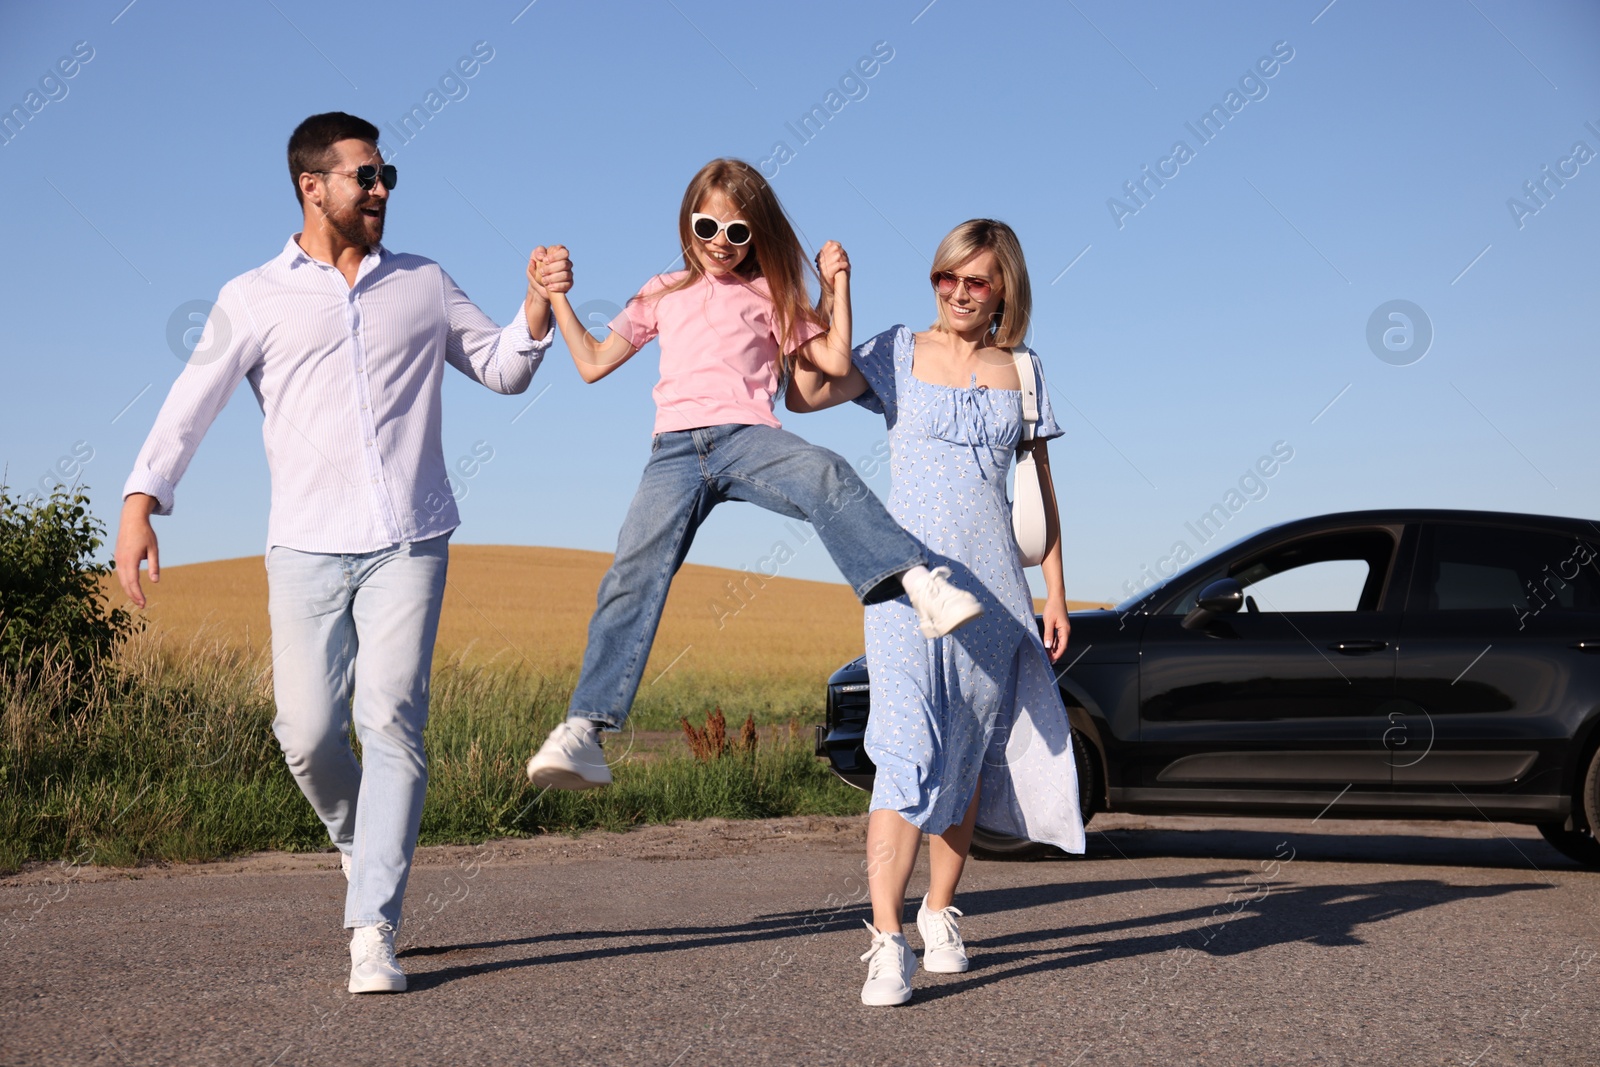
[720, 838]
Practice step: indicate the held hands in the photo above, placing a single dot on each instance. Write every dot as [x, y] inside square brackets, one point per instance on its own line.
[549, 272]
[1056, 627]
[830, 353]
[833, 267]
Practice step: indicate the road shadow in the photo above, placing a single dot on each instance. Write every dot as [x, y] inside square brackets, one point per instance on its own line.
[1250, 912]
[1398, 849]
[1256, 915]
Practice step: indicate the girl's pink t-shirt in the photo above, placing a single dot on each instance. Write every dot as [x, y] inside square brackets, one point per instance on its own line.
[718, 349]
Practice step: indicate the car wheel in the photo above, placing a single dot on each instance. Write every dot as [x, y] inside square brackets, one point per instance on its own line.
[987, 845]
[1579, 843]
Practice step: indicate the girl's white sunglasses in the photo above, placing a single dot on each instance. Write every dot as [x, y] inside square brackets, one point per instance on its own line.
[706, 227]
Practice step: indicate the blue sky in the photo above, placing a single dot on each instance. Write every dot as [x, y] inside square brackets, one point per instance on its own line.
[1185, 334]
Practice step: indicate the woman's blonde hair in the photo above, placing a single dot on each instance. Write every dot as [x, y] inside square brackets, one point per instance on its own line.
[778, 256]
[1010, 324]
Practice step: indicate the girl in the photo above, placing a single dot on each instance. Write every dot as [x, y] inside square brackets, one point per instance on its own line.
[731, 326]
[971, 728]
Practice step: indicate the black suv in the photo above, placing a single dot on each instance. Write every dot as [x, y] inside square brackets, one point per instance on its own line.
[1381, 664]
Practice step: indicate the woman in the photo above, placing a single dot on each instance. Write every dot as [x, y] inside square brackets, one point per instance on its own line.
[965, 728]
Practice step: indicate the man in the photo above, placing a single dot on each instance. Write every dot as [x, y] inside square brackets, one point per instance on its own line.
[344, 344]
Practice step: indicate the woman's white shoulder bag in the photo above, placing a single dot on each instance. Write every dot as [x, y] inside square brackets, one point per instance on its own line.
[1027, 508]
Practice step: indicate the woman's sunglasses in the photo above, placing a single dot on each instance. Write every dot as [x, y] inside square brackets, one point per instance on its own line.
[367, 175]
[946, 282]
[706, 227]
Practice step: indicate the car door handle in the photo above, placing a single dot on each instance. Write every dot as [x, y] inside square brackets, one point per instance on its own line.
[1587, 646]
[1355, 648]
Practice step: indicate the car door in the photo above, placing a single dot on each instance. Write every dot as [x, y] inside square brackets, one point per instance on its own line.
[1289, 694]
[1498, 664]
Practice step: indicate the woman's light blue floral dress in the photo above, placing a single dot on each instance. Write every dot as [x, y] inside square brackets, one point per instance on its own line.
[980, 704]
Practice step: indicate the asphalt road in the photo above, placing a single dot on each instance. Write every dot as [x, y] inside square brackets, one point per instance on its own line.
[1175, 941]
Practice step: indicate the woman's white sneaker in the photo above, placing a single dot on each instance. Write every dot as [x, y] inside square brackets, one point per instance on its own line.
[570, 758]
[373, 968]
[942, 950]
[941, 607]
[890, 965]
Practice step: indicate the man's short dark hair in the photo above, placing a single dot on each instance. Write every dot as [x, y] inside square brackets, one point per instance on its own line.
[311, 144]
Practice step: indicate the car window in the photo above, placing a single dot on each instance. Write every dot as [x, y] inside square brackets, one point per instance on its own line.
[1330, 585]
[1482, 567]
[1342, 571]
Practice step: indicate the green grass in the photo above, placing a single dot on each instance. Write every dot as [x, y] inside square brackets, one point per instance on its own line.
[691, 693]
[168, 755]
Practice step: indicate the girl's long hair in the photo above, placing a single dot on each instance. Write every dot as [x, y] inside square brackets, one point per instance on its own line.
[1016, 305]
[777, 256]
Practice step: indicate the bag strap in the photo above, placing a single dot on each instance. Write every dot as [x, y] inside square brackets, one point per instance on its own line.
[1030, 391]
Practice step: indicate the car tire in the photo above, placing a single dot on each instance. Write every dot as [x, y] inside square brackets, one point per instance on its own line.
[1579, 843]
[987, 845]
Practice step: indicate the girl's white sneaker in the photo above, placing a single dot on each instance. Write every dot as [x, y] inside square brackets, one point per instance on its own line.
[890, 965]
[570, 758]
[942, 950]
[941, 607]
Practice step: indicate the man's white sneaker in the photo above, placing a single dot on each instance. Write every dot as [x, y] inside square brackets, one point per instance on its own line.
[373, 968]
[890, 965]
[570, 758]
[344, 865]
[941, 607]
[942, 950]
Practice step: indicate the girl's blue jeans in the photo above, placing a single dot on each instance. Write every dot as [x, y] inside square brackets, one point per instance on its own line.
[689, 473]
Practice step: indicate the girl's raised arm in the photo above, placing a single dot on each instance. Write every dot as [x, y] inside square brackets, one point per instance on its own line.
[829, 353]
[811, 390]
[594, 358]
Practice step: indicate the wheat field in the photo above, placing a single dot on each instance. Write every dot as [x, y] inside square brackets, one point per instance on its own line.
[528, 607]
[513, 605]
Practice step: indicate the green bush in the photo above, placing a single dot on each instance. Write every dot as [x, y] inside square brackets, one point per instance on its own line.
[52, 605]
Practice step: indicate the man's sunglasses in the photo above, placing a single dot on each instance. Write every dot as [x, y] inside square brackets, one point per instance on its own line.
[367, 175]
[946, 282]
[706, 227]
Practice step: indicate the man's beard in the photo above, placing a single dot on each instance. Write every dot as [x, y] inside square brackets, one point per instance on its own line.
[352, 225]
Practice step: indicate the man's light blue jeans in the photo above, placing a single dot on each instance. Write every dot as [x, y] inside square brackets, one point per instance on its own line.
[357, 632]
[689, 473]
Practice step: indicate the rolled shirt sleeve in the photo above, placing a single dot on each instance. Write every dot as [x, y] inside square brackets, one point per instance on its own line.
[504, 359]
[228, 350]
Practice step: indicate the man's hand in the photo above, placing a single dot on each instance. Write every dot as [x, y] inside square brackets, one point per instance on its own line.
[136, 542]
[536, 288]
[549, 275]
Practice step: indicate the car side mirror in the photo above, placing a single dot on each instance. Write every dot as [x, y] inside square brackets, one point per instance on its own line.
[1222, 597]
